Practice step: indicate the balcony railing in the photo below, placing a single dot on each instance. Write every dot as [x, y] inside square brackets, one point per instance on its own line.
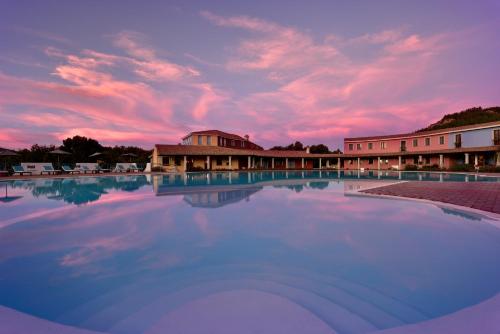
[458, 144]
[402, 148]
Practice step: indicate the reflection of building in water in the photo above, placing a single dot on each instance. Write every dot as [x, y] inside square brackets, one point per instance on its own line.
[353, 186]
[215, 199]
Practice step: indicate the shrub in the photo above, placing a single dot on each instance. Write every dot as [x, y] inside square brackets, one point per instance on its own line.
[490, 169]
[411, 167]
[462, 168]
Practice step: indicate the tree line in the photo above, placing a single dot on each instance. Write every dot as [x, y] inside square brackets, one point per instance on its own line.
[81, 148]
[298, 146]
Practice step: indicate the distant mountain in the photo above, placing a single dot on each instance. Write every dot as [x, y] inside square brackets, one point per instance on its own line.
[475, 115]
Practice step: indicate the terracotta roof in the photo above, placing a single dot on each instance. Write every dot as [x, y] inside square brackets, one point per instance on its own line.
[217, 133]
[217, 150]
[450, 150]
[425, 133]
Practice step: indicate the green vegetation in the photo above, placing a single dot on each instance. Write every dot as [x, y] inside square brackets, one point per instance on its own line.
[476, 115]
[81, 148]
[298, 146]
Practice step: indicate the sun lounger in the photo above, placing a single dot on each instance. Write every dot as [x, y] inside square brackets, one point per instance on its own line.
[120, 169]
[20, 170]
[86, 170]
[98, 169]
[69, 170]
[133, 168]
[49, 169]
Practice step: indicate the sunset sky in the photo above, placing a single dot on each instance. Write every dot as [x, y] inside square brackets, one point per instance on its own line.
[146, 72]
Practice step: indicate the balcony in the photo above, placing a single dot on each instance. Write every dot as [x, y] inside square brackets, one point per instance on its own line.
[458, 144]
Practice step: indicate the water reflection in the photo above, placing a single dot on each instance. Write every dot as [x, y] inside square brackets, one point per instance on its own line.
[79, 190]
[138, 260]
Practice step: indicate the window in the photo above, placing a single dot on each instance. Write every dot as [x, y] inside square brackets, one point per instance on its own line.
[427, 142]
[358, 146]
[441, 140]
[242, 144]
[218, 161]
[351, 147]
[177, 161]
[415, 142]
[165, 161]
[403, 145]
[200, 140]
[427, 160]
[383, 145]
[458, 140]
[370, 146]
[415, 160]
[232, 142]
[370, 161]
[209, 140]
[496, 137]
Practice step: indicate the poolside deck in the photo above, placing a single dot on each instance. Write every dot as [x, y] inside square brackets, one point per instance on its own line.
[483, 196]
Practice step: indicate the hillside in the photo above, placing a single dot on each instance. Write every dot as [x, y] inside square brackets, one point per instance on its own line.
[475, 115]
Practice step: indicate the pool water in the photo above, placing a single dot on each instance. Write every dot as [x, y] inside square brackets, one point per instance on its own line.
[283, 252]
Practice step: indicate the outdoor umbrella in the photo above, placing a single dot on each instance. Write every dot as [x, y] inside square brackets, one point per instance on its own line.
[8, 198]
[59, 152]
[96, 154]
[130, 155]
[7, 153]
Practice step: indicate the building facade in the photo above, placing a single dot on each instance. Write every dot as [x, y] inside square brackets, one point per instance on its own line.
[473, 145]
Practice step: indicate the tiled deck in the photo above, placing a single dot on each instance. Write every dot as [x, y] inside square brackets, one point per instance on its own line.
[477, 195]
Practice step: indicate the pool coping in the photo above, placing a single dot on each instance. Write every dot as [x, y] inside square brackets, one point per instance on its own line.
[484, 214]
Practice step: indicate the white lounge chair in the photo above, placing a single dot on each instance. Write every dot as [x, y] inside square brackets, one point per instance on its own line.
[86, 170]
[99, 169]
[17, 169]
[69, 170]
[49, 169]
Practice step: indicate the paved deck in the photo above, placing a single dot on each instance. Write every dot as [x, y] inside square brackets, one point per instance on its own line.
[483, 196]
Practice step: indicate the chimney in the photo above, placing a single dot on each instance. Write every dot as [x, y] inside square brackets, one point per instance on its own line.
[308, 149]
[247, 137]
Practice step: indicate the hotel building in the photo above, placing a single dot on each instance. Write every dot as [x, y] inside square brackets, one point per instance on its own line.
[473, 145]
[476, 145]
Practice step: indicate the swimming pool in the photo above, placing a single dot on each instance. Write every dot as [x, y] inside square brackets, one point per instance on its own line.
[264, 252]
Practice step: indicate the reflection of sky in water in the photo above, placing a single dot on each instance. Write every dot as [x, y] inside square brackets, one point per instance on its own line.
[127, 254]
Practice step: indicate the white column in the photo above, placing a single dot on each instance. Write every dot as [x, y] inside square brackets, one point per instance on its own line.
[441, 161]
[185, 164]
[208, 162]
[230, 163]
[302, 163]
[378, 163]
[497, 155]
[319, 163]
[399, 162]
[338, 163]
[466, 158]
[419, 159]
[286, 163]
[249, 162]
[272, 164]
[328, 163]
[359, 163]
[476, 160]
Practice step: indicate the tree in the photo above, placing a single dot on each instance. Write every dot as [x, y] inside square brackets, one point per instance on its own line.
[320, 148]
[81, 147]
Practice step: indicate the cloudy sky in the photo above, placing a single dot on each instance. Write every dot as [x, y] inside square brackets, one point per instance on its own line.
[146, 72]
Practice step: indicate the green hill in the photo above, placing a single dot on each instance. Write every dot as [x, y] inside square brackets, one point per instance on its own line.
[475, 115]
